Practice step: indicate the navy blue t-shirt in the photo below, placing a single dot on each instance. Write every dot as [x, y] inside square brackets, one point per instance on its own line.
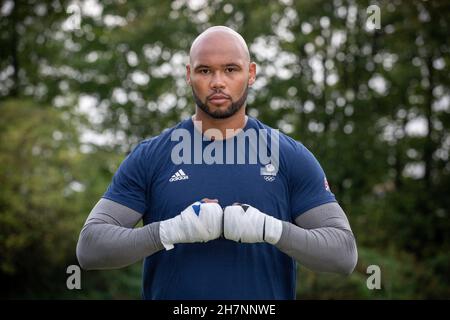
[151, 183]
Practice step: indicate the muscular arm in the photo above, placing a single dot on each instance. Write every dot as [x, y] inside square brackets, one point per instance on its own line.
[108, 240]
[322, 240]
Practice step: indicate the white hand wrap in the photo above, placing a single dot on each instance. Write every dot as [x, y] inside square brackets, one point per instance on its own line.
[245, 223]
[200, 222]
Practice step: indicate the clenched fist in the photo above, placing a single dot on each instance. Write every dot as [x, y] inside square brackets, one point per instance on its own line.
[245, 223]
[199, 222]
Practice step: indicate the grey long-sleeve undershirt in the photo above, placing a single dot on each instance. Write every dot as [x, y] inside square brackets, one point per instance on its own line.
[109, 240]
[322, 240]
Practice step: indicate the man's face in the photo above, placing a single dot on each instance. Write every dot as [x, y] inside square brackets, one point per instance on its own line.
[220, 74]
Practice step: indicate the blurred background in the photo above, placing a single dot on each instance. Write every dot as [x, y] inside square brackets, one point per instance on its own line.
[82, 82]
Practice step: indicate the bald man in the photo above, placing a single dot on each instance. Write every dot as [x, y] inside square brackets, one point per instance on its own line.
[220, 220]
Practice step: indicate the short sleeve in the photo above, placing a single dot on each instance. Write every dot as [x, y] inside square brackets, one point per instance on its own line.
[308, 184]
[129, 184]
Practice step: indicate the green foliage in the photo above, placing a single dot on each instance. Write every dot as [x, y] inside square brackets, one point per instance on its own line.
[37, 207]
[48, 186]
[402, 277]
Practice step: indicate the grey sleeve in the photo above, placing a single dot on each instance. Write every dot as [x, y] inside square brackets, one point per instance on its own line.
[322, 240]
[108, 240]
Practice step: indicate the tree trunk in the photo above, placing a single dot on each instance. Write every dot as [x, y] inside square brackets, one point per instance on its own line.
[14, 53]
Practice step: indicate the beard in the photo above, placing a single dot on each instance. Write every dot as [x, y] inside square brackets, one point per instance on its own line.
[234, 107]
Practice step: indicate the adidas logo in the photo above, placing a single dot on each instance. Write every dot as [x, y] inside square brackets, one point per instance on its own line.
[179, 175]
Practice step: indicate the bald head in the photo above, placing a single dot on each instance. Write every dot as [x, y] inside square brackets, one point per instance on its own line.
[219, 39]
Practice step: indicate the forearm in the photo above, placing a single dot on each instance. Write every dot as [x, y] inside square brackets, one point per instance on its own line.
[106, 246]
[323, 249]
[108, 240]
[324, 242]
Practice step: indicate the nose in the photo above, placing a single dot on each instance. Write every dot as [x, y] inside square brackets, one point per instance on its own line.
[217, 81]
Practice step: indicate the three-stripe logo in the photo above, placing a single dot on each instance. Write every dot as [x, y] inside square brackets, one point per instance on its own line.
[179, 175]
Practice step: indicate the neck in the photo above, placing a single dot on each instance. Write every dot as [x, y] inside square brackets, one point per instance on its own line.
[235, 122]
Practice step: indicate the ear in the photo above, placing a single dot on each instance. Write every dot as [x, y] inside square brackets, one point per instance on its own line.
[251, 73]
[188, 73]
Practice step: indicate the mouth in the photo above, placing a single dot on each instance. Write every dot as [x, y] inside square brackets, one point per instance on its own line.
[218, 99]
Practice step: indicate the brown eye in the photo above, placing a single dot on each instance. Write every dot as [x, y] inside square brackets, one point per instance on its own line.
[230, 69]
